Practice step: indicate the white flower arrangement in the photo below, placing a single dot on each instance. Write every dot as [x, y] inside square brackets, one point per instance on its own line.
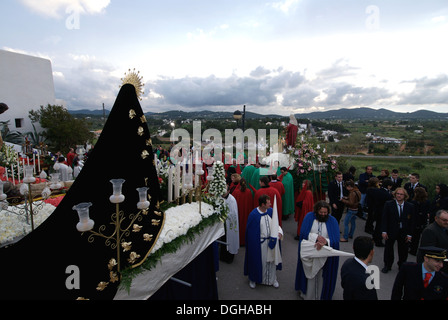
[13, 226]
[218, 188]
[9, 158]
[180, 219]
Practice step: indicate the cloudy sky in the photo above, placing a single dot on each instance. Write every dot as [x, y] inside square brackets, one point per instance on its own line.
[277, 56]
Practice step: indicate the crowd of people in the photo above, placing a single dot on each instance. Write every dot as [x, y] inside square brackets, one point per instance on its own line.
[394, 213]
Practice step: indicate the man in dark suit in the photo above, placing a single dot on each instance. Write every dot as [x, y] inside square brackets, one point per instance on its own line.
[380, 197]
[396, 180]
[363, 183]
[436, 234]
[353, 272]
[336, 191]
[422, 281]
[397, 226]
[414, 182]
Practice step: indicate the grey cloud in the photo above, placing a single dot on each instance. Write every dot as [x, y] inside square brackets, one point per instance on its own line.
[427, 91]
[260, 89]
[345, 94]
[303, 96]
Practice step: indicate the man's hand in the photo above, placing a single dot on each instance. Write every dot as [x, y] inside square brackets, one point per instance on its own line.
[320, 242]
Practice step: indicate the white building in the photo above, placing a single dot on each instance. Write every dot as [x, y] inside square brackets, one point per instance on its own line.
[26, 83]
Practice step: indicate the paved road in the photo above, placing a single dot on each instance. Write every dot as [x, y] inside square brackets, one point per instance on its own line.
[390, 157]
[233, 285]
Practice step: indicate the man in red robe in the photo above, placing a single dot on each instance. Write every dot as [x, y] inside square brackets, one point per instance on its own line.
[271, 192]
[244, 200]
[277, 184]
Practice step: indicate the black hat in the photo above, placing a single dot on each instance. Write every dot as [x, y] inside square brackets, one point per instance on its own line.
[38, 266]
[434, 252]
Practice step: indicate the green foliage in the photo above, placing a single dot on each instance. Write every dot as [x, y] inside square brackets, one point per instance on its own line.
[61, 129]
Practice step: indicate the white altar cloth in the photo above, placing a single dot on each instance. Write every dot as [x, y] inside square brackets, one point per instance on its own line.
[148, 282]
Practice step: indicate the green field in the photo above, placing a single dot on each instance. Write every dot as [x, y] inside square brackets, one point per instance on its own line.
[432, 171]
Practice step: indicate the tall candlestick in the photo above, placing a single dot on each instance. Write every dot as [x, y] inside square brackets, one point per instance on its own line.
[170, 184]
[177, 181]
[38, 162]
[190, 170]
[18, 170]
[34, 163]
[13, 178]
[184, 175]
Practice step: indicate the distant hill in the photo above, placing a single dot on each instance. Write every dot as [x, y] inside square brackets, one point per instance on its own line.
[357, 113]
[369, 113]
[89, 112]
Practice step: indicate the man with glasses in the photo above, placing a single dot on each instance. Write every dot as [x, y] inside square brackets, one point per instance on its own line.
[397, 226]
[435, 234]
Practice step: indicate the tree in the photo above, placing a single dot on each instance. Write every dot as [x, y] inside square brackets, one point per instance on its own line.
[61, 130]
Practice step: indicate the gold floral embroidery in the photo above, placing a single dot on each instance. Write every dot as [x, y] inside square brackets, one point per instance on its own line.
[112, 264]
[147, 237]
[126, 246]
[141, 131]
[149, 142]
[143, 119]
[145, 154]
[137, 228]
[132, 114]
[101, 286]
[133, 257]
[81, 299]
[155, 222]
[113, 277]
[158, 213]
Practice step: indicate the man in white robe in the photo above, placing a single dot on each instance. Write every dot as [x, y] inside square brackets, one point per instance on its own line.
[232, 228]
[65, 172]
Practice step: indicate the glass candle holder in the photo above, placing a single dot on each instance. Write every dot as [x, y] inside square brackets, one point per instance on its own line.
[143, 203]
[29, 178]
[80, 151]
[85, 223]
[2, 195]
[55, 181]
[210, 170]
[117, 196]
